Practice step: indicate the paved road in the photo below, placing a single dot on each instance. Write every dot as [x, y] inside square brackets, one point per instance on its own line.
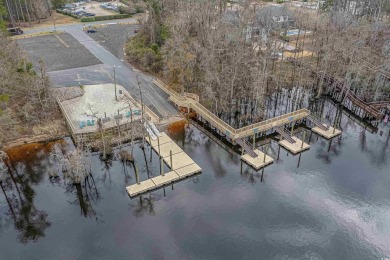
[152, 96]
[77, 25]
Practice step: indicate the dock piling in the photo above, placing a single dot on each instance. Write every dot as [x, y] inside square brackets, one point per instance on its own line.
[292, 129]
[136, 173]
[170, 154]
[161, 166]
[265, 152]
[262, 173]
[158, 141]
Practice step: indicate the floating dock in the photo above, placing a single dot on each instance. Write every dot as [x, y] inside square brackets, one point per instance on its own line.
[259, 161]
[330, 133]
[296, 147]
[182, 166]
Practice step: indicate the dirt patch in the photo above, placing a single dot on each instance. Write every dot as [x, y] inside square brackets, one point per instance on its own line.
[34, 140]
[58, 18]
[59, 52]
[53, 128]
[67, 93]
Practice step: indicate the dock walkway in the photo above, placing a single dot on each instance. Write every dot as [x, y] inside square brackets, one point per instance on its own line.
[191, 101]
[253, 156]
[181, 165]
[372, 109]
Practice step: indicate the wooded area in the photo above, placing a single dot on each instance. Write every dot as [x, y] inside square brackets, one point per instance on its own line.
[15, 12]
[27, 106]
[229, 54]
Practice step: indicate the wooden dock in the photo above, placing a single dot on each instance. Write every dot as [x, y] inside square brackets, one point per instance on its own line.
[260, 161]
[243, 132]
[182, 166]
[372, 109]
[328, 134]
[190, 102]
[296, 147]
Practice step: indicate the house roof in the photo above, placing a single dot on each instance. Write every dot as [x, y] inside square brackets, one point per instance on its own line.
[265, 16]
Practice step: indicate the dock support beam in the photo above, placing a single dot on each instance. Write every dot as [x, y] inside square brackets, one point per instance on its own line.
[158, 141]
[136, 173]
[292, 128]
[170, 154]
[161, 166]
[265, 152]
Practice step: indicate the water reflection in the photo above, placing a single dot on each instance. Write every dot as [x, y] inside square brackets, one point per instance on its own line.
[335, 201]
[144, 205]
[15, 184]
[87, 195]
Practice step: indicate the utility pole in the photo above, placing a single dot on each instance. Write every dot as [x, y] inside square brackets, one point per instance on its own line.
[54, 22]
[116, 98]
[140, 93]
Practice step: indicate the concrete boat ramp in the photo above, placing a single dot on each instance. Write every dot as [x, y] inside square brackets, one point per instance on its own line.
[180, 164]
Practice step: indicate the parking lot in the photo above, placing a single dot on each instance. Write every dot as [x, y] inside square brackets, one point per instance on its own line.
[113, 37]
[59, 52]
[96, 8]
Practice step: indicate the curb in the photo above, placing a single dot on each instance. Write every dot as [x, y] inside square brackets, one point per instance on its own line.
[36, 35]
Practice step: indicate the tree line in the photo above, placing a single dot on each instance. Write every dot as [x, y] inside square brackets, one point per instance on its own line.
[234, 56]
[16, 12]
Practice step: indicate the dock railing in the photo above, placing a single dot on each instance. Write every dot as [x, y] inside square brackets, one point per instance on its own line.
[190, 100]
[270, 123]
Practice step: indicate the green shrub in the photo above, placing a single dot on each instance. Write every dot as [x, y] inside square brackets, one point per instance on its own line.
[111, 17]
[87, 19]
[154, 47]
[149, 58]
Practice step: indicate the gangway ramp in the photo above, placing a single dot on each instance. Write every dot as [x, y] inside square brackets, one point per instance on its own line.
[154, 129]
[285, 134]
[317, 122]
[150, 131]
[246, 147]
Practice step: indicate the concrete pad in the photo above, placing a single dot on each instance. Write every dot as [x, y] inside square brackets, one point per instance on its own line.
[144, 186]
[166, 179]
[257, 162]
[167, 147]
[295, 147]
[330, 133]
[179, 160]
[188, 170]
[99, 100]
[163, 140]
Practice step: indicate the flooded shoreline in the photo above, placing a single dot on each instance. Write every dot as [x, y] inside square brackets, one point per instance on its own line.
[330, 202]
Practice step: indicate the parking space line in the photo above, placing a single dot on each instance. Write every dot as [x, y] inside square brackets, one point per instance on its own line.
[64, 43]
